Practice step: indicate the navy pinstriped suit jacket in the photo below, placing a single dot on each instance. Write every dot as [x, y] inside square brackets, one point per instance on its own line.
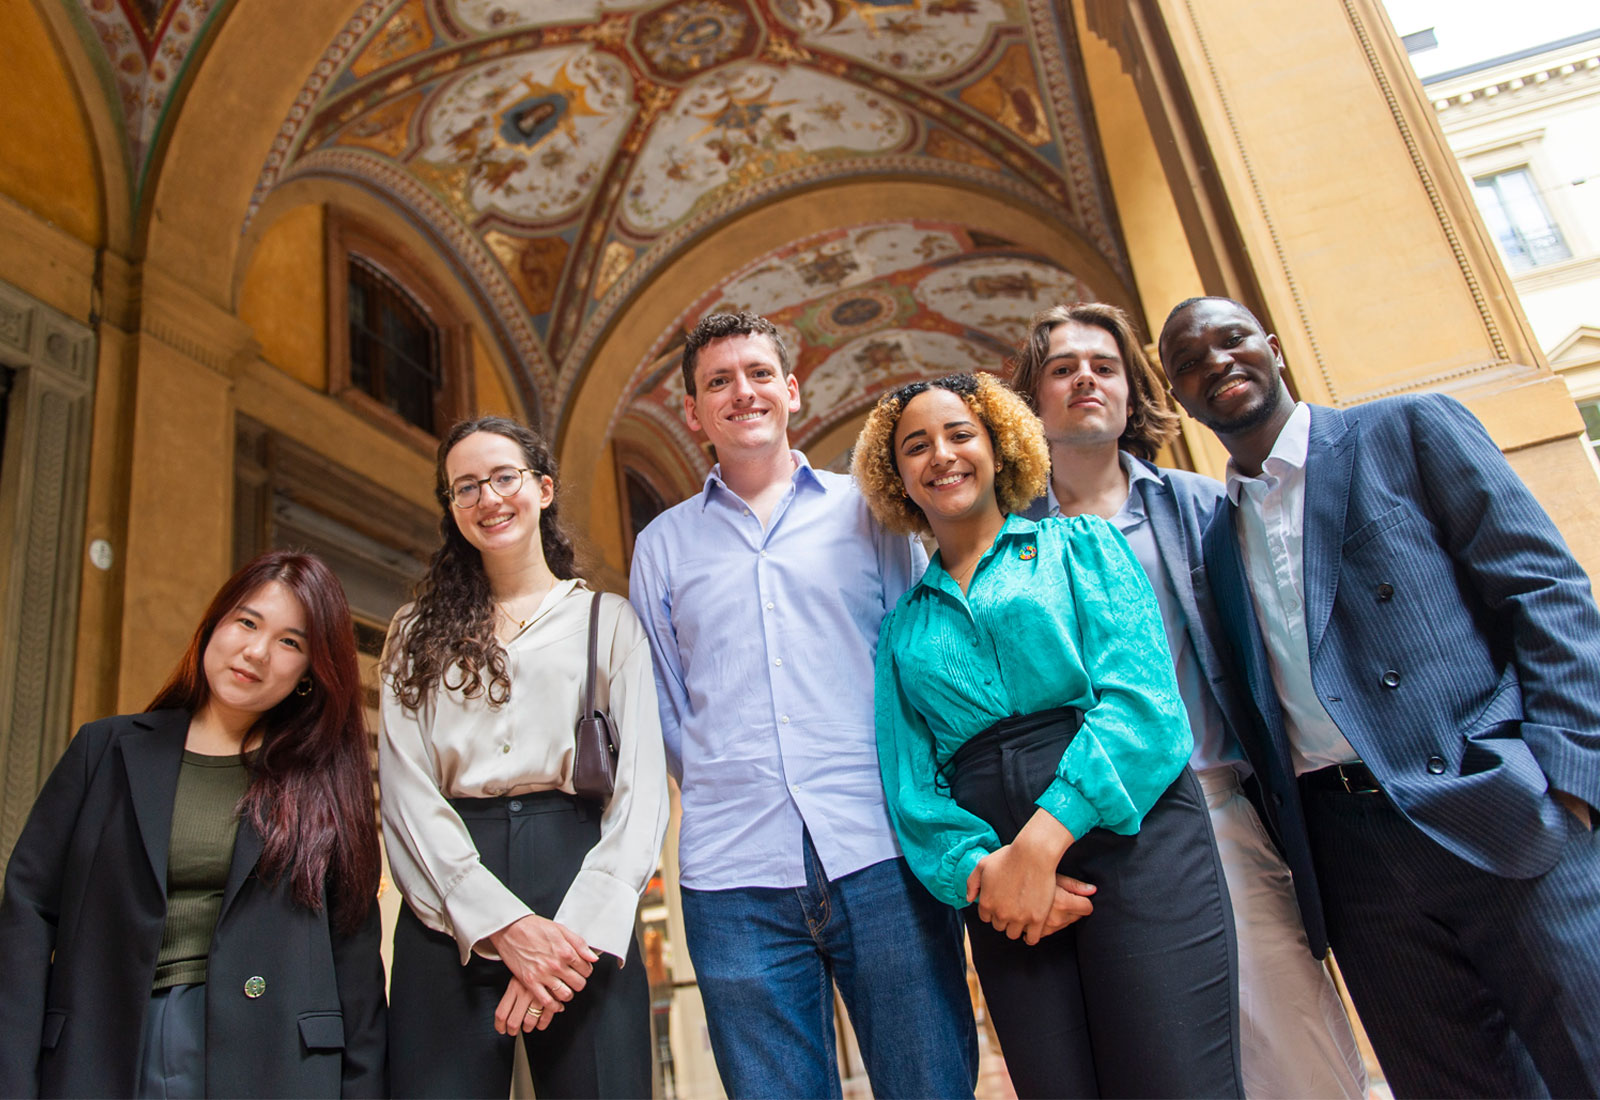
[1453, 638]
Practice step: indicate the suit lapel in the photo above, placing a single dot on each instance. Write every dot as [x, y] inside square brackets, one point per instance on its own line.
[1236, 607]
[1330, 458]
[151, 756]
[1162, 508]
[246, 854]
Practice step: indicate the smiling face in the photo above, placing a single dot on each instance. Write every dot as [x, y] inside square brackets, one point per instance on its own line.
[495, 524]
[257, 653]
[945, 458]
[1226, 371]
[742, 399]
[1083, 388]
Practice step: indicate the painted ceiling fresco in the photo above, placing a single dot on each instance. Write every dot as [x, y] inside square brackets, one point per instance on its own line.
[865, 309]
[147, 45]
[565, 150]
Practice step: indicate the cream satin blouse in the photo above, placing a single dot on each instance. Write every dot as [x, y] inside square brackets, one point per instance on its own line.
[456, 747]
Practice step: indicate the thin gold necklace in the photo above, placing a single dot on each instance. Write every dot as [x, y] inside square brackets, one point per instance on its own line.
[521, 624]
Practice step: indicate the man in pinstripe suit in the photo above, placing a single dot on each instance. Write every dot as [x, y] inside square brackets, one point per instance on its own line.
[1424, 657]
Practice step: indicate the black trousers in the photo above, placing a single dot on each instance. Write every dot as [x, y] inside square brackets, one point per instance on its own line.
[1139, 999]
[1468, 984]
[442, 1041]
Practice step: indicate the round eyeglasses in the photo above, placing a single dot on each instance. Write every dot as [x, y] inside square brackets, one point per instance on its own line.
[506, 481]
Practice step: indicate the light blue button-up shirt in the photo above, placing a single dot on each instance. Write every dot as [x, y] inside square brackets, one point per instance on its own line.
[764, 643]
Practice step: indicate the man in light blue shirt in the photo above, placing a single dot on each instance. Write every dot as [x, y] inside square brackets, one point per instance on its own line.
[762, 596]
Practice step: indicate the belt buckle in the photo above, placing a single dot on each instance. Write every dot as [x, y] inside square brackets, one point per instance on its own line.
[1363, 786]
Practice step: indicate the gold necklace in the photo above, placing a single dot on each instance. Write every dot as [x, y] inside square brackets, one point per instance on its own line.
[521, 624]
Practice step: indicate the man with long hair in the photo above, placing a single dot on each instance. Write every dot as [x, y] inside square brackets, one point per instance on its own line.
[1085, 374]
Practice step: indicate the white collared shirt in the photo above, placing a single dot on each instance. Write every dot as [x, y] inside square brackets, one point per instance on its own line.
[1271, 542]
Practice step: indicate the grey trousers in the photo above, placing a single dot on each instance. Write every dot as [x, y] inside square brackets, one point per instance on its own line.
[172, 1065]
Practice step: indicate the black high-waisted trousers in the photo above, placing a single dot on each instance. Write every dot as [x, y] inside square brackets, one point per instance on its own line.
[442, 1040]
[1139, 999]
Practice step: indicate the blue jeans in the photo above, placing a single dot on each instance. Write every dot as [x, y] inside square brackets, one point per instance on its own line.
[766, 960]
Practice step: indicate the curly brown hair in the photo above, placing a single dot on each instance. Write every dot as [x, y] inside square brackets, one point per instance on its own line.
[452, 621]
[716, 326]
[1014, 432]
[1151, 424]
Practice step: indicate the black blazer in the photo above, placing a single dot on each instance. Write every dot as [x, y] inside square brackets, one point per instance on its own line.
[81, 923]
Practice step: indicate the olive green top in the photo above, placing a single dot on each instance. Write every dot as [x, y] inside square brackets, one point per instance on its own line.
[204, 824]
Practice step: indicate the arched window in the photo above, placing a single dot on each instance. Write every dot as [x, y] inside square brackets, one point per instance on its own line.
[398, 353]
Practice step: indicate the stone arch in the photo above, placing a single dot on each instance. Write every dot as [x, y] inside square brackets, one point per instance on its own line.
[591, 412]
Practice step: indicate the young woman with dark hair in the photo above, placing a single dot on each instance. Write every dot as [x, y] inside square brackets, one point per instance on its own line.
[521, 895]
[189, 910]
[1034, 748]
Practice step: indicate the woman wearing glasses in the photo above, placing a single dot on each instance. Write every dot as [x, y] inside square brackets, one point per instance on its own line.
[520, 895]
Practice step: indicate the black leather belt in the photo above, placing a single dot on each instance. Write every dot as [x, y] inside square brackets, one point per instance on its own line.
[1354, 778]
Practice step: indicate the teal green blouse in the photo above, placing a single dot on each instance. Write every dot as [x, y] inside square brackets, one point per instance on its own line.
[1057, 613]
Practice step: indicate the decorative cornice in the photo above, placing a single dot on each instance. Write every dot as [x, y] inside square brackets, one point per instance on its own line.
[192, 324]
[1532, 78]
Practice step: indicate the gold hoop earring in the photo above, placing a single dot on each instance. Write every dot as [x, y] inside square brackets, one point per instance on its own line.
[305, 687]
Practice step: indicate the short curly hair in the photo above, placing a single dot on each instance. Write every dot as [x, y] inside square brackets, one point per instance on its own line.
[717, 326]
[1014, 431]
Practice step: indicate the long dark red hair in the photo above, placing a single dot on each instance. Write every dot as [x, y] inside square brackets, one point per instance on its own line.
[310, 793]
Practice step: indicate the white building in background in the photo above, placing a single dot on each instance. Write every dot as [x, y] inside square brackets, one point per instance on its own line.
[1525, 127]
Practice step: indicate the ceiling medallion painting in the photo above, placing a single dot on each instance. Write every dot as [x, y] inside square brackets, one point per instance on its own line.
[146, 44]
[863, 310]
[578, 146]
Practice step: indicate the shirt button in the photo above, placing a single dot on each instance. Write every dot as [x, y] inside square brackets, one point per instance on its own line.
[795, 787]
[747, 511]
[769, 605]
[1386, 591]
[763, 553]
[974, 641]
[516, 804]
[1391, 679]
[777, 662]
[255, 986]
[784, 719]
[1436, 765]
[505, 748]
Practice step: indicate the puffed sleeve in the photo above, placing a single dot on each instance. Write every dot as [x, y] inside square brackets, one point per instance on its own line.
[1135, 738]
[431, 854]
[942, 842]
[602, 900]
[31, 910]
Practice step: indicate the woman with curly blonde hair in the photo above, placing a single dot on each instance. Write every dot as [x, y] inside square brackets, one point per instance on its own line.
[1034, 753]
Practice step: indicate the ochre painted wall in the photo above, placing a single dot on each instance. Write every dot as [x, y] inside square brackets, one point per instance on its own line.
[493, 400]
[284, 297]
[49, 162]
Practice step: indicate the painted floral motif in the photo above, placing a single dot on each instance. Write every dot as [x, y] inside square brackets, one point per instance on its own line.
[880, 361]
[749, 122]
[692, 37]
[147, 44]
[497, 16]
[923, 38]
[998, 294]
[530, 136]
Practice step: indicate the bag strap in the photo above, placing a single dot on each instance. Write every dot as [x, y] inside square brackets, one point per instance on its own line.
[594, 646]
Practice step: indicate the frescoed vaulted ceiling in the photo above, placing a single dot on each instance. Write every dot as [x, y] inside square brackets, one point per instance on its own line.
[147, 44]
[566, 152]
